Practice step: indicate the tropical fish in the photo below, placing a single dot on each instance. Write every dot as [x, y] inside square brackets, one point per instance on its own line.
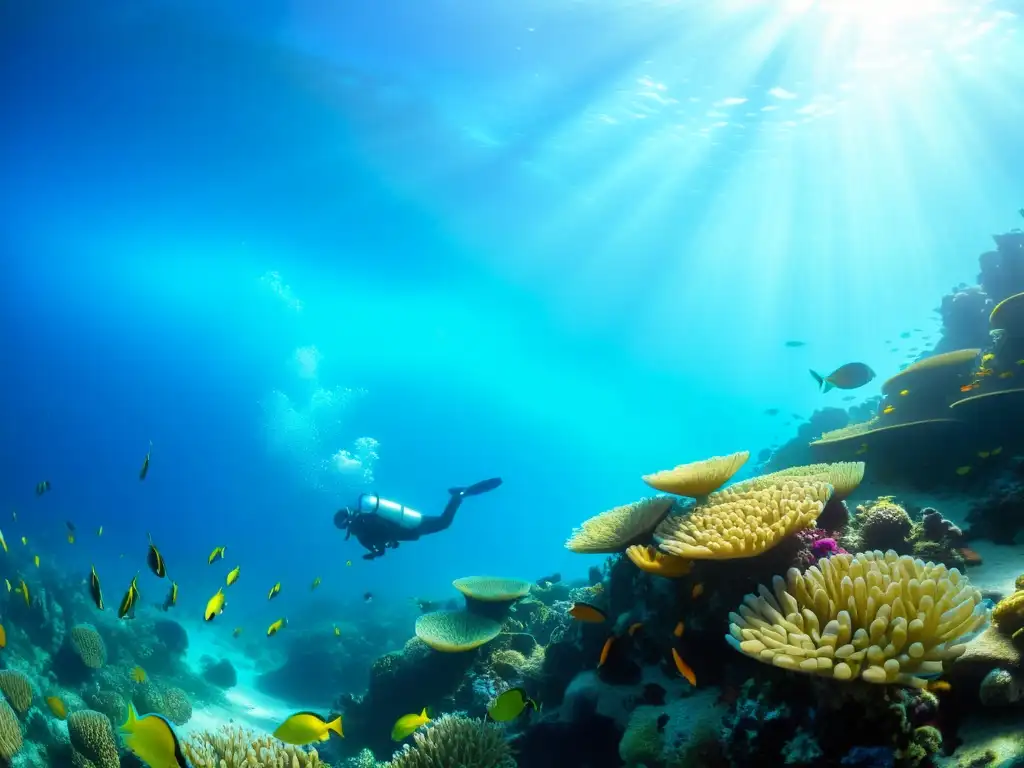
[99, 531]
[986, 357]
[155, 560]
[172, 596]
[605, 650]
[963, 470]
[71, 538]
[337, 631]
[3, 637]
[969, 387]
[217, 554]
[307, 727]
[57, 707]
[678, 631]
[276, 627]
[3, 541]
[71, 531]
[587, 613]
[237, 632]
[905, 335]
[233, 575]
[888, 409]
[984, 372]
[510, 705]
[138, 674]
[771, 412]
[407, 724]
[348, 563]
[684, 668]
[697, 591]
[939, 686]
[145, 462]
[35, 559]
[368, 597]
[152, 739]
[315, 584]
[794, 343]
[127, 606]
[904, 392]
[983, 454]
[26, 594]
[94, 588]
[42, 487]
[273, 591]
[849, 376]
[634, 628]
[215, 605]
[24, 541]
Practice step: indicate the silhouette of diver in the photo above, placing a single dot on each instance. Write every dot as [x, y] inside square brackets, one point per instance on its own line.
[380, 524]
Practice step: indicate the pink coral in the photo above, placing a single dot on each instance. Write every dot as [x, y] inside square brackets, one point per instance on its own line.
[815, 543]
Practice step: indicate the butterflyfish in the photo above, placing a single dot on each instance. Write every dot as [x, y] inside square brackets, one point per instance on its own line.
[152, 739]
[273, 591]
[138, 675]
[26, 594]
[94, 588]
[406, 725]
[315, 584]
[145, 462]
[678, 631]
[276, 627]
[57, 707]
[127, 606]
[233, 575]
[988, 356]
[587, 613]
[684, 668]
[215, 605]
[510, 705]
[217, 554]
[849, 376]
[605, 650]
[42, 487]
[172, 596]
[156, 560]
[306, 728]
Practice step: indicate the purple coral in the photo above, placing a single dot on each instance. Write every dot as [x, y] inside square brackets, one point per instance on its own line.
[815, 544]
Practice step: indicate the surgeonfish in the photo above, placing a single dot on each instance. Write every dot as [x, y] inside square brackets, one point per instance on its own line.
[26, 594]
[315, 584]
[152, 739]
[145, 462]
[406, 725]
[57, 707]
[587, 613]
[172, 596]
[42, 487]
[276, 627]
[215, 605]
[849, 376]
[127, 606]
[233, 575]
[684, 668]
[273, 591]
[94, 588]
[306, 728]
[217, 554]
[156, 560]
[510, 705]
[888, 409]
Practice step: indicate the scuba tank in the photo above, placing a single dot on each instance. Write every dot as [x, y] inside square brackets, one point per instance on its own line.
[392, 511]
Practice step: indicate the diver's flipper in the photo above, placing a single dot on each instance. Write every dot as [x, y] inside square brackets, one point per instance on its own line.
[477, 488]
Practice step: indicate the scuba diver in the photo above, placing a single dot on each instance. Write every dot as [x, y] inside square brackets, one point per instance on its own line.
[380, 524]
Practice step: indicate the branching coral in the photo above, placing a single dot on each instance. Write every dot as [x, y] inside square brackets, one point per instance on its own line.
[650, 560]
[878, 617]
[453, 740]
[233, 747]
[744, 520]
[92, 740]
[89, 645]
[616, 529]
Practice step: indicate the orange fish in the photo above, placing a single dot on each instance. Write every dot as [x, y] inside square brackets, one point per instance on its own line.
[634, 627]
[939, 686]
[969, 387]
[684, 668]
[697, 591]
[678, 631]
[605, 651]
[587, 613]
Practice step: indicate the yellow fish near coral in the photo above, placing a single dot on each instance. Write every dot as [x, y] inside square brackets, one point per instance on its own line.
[139, 675]
[233, 575]
[963, 470]
[510, 705]
[276, 627]
[306, 728]
[407, 724]
[214, 606]
[57, 707]
[152, 739]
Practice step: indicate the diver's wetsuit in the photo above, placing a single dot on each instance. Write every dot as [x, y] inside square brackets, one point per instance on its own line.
[379, 535]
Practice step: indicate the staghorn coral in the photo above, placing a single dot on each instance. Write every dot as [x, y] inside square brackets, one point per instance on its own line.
[455, 741]
[878, 617]
[233, 747]
[177, 707]
[17, 689]
[699, 478]
[616, 529]
[10, 732]
[650, 560]
[89, 645]
[92, 740]
[883, 524]
[745, 519]
[455, 631]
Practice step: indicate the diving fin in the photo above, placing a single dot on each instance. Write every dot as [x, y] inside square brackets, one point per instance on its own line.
[477, 488]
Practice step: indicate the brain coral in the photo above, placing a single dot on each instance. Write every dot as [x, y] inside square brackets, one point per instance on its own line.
[149, 698]
[453, 740]
[92, 740]
[177, 707]
[10, 732]
[233, 747]
[17, 689]
[878, 617]
[89, 645]
[616, 529]
[745, 519]
[883, 525]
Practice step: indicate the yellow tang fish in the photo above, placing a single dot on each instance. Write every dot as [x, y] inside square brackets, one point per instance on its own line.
[276, 627]
[35, 560]
[3, 541]
[273, 591]
[8, 583]
[152, 739]
[306, 728]
[71, 538]
[407, 724]
[233, 575]
[138, 675]
[985, 358]
[887, 410]
[217, 554]
[963, 470]
[315, 584]
[510, 705]
[57, 707]
[24, 541]
[26, 594]
[904, 392]
[215, 605]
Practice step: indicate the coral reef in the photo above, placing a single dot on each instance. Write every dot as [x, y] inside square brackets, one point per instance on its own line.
[455, 740]
[92, 740]
[233, 747]
[618, 528]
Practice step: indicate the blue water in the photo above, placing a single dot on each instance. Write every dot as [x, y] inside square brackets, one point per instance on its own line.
[563, 243]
